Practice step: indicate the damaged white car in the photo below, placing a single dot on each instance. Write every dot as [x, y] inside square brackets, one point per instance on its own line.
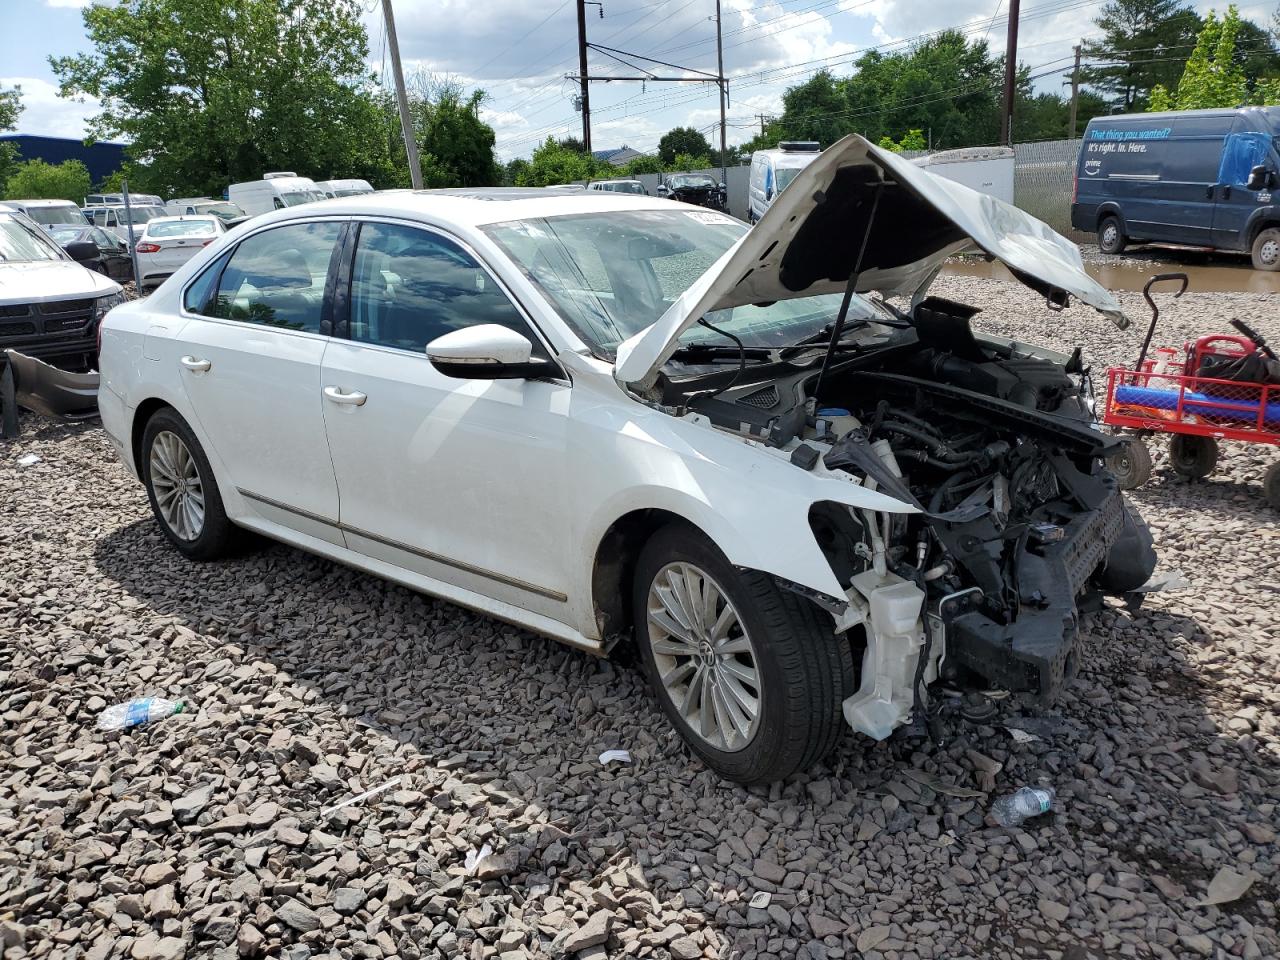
[611, 418]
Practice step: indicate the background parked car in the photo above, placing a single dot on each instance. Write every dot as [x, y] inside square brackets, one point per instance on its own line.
[50, 306]
[274, 191]
[343, 188]
[700, 189]
[169, 242]
[772, 170]
[226, 211]
[113, 219]
[48, 213]
[117, 199]
[112, 258]
[619, 186]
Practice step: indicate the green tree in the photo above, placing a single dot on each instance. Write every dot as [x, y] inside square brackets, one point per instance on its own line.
[10, 108]
[683, 162]
[887, 143]
[646, 163]
[454, 145]
[551, 164]
[572, 143]
[37, 180]
[1213, 76]
[682, 140]
[206, 92]
[1144, 43]
[514, 171]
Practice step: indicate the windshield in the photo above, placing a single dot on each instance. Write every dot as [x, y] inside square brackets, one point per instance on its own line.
[784, 175]
[356, 192]
[65, 234]
[53, 215]
[693, 181]
[227, 211]
[295, 198]
[611, 275]
[182, 228]
[19, 243]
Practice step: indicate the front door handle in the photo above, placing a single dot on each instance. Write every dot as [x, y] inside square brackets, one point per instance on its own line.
[191, 363]
[355, 398]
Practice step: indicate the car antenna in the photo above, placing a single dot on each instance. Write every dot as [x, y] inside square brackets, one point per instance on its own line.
[848, 290]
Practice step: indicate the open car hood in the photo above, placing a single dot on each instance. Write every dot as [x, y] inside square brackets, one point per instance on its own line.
[809, 240]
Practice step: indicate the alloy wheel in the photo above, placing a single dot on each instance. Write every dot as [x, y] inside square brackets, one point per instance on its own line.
[175, 480]
[706, 663]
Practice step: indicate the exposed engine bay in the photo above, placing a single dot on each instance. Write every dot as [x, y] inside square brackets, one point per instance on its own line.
[1018, 524]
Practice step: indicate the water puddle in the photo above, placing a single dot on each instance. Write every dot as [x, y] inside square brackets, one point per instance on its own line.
[1207, 273]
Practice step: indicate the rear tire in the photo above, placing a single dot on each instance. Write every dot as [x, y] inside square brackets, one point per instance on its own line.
[1265, 251]
[1131, 466]
[1192, 456]
[1271, 486]
[183, 492]
[799, 671]
[1111, 238]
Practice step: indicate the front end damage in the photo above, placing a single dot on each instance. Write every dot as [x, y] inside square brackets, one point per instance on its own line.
[1019, 528]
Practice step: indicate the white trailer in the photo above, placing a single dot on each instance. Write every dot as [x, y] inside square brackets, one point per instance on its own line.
[272, 192]
[986, 169]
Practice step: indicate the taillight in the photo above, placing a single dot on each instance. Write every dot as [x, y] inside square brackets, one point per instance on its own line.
[148, 248]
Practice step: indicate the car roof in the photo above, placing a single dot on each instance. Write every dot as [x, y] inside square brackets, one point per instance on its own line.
[45, 203]
[475, 206]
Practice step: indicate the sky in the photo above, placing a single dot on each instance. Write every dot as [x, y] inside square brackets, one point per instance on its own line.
[520, 52]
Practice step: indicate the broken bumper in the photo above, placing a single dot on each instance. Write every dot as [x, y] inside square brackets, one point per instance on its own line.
[1036, 654]
[52, 391]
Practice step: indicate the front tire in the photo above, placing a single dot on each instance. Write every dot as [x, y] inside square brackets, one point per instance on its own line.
[1111, 238]
[1193, 456]
[748, 673]
[1265, 251]
[1131, 466]
[182, 489]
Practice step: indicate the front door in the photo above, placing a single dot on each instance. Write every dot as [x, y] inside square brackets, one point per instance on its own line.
[252, 372]
[457, 480]
[1236, 202]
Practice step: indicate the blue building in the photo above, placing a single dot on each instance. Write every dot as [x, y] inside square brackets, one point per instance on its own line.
[102, 159]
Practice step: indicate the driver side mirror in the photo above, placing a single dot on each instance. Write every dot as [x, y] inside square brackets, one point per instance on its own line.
[1260, 178]
[488, 351]
[663, 190]
[82, 250]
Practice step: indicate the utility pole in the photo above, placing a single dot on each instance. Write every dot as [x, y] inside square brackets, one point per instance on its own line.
[1075, 95]
[1010, 76]
[402, 98]
[582, 76]
[762, 117]
[724, 150]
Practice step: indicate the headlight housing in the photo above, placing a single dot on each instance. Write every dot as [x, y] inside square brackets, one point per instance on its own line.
[102, 305]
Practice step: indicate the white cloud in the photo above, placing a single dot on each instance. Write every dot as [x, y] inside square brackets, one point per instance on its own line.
[46, 114]
[75, 4]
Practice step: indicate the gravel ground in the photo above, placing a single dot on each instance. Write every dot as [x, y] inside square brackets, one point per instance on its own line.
[210, 833]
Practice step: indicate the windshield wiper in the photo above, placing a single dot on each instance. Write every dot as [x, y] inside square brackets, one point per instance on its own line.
[693, 352]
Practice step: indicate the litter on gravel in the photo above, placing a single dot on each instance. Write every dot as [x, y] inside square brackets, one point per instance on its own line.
[361, 796]
[609, 756]
[27, 459]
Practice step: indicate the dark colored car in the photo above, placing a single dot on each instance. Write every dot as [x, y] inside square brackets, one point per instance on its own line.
[699, 189]
[113, 258]
[1200, 178]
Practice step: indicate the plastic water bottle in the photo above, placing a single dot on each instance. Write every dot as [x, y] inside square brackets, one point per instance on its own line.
[121, 716]
[1026, 803]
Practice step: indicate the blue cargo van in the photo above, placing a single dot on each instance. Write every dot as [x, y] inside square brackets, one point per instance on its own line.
[1201, 178]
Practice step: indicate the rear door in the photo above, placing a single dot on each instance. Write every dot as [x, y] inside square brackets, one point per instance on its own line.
[1168, 171]
[251, 369]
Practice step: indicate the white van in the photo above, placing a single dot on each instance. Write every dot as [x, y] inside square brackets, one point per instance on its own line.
[113, 218]
[343, 188]
[986, 169]
[50, 213]
[273, 192]
[772, 170]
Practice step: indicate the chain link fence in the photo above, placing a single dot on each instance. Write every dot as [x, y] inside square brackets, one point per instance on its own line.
[1042, 181]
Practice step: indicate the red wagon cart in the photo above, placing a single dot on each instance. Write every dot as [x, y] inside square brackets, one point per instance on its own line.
[1218, 387]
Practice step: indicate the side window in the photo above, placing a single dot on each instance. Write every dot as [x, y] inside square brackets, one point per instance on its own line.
[277, 202]
[277, 277]
[201, 296]
[409, 286]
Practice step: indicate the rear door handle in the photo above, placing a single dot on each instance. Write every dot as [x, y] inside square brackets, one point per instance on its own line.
[355, 398]
[191, 363]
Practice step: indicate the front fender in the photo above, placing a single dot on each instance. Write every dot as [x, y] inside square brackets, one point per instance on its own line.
[750, 500]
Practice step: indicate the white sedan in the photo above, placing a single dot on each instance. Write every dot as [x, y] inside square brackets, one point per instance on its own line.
[166, 243]
[616, 419]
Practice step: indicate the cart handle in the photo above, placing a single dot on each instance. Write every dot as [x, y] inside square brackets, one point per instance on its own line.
[1256, 337]
[1155, 311]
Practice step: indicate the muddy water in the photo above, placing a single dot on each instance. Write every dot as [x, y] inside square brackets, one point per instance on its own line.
[1207, 275]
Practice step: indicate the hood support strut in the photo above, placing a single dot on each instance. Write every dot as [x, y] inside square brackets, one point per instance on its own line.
[849, 287]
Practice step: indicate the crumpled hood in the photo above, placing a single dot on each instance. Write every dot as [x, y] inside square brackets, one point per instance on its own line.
[41, 281]
[809, 241]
